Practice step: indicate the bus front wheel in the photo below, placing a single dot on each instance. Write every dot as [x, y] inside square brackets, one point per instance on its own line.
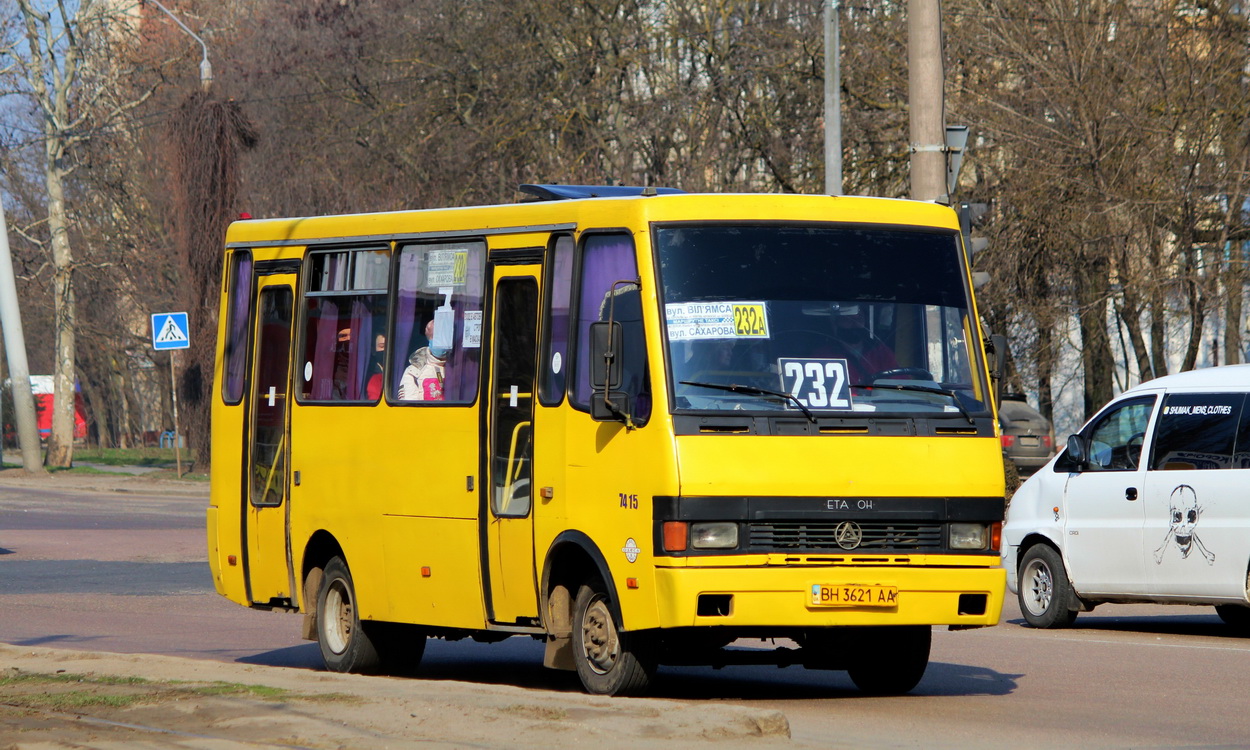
[345, 647]
[889, 660]
[608, 661]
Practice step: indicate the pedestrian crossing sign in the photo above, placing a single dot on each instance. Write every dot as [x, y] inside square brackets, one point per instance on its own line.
[170, 331]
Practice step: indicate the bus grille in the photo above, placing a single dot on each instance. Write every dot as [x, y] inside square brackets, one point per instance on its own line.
[823, 535]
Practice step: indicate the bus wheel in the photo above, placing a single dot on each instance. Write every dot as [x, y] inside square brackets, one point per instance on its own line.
[1044, 590]
[345, 647]
[889, 660]
[608, 661]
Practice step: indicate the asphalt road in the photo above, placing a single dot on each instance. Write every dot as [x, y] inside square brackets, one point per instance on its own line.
[125, 572]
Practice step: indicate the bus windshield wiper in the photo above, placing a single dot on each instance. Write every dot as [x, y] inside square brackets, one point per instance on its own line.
[954, 397]
[754, 391]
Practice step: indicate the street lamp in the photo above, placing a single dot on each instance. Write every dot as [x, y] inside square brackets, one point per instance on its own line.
[206, 68]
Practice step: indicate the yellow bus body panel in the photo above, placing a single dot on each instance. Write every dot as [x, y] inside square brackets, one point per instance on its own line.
[398, 487]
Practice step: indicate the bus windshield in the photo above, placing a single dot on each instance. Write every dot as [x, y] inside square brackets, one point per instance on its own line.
[827, 320]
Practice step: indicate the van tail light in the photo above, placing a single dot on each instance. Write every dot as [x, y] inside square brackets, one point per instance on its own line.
[1009, 440]
[1048, 441]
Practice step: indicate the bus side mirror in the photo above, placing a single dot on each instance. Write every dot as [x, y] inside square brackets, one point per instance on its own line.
[607, 405]
[605, 356]
[998, 349]
[1078, 452]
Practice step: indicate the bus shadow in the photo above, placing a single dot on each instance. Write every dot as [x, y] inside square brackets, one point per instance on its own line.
[518, 663]
[797, 683]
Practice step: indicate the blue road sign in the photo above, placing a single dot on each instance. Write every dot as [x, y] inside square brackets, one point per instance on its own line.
[170, 331]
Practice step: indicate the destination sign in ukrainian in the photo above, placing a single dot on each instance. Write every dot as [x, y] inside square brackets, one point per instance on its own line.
[704, 321]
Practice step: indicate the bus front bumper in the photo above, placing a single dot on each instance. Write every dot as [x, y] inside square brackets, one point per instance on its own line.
[812, 596]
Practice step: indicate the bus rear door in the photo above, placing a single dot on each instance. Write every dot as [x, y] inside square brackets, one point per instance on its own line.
[508, 518]
[268, 562]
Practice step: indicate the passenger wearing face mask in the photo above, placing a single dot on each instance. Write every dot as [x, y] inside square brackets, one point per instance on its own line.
[423, 377]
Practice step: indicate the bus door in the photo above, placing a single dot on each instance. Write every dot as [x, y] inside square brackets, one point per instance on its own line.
[509, 517]
[265, 525]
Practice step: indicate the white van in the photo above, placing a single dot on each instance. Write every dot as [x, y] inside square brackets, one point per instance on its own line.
[1150, 502]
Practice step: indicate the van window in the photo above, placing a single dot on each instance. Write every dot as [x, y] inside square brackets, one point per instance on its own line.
[1115, 438]
[1241, 455]
[1197, 431]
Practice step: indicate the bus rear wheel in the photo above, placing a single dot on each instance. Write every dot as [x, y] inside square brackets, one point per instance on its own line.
[608, 661]
[889, 660]
[345, 646]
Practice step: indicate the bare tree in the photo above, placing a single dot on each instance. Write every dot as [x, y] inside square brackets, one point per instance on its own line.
[71, 82]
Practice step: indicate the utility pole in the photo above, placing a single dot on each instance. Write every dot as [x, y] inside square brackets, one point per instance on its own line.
[15, 348]
[833, 101]
[925, 81]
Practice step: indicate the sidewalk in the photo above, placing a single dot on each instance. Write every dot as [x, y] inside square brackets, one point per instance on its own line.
[52, 698]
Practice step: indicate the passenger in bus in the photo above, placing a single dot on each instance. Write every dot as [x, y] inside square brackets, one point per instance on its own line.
[423, 377]
[373, 385]
[864, 353]
[342, 361]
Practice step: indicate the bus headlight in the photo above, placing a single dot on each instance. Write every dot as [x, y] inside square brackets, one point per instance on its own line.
[968, 536]
[714, 535]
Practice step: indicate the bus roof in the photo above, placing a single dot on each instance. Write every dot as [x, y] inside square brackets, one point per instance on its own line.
[627, 211]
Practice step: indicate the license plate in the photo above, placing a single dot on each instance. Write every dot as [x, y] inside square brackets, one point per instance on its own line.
[1029, 441]
[853, 595]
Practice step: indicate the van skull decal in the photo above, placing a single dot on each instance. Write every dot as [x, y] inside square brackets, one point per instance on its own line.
[1185, 513]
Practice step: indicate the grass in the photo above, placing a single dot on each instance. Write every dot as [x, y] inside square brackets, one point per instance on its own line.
[74, 692]
[132, 456]
[163, 460]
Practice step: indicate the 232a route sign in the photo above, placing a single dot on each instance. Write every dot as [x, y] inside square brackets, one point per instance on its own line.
[170, 331]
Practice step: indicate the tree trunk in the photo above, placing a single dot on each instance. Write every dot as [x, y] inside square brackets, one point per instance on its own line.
[61, 442]
[1096, 355]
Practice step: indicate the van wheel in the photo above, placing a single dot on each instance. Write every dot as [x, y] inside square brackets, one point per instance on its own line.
[1236, 616]
[889, 660]
[345, 646]
[1044, 589]
[608, 661]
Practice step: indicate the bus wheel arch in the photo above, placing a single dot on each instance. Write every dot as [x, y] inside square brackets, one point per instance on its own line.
[320, 549]
[572, 561]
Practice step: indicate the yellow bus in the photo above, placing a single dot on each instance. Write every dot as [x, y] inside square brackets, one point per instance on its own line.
[635, 424]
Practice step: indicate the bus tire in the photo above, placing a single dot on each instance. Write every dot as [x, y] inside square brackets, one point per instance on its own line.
[345, 645]
[608, 661]
[399, 646]
[1043, 591]
[889, 660]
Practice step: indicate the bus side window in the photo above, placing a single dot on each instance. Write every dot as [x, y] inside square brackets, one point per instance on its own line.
[239, 312]
[559, 290]
[607, 259]
[432, 276]
[345, 307]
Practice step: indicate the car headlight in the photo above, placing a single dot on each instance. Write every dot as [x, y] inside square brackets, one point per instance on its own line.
[714, 535]
[968, 536]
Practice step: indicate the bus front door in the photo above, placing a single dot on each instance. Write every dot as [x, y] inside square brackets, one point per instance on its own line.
[268, 562]
[509, 521]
